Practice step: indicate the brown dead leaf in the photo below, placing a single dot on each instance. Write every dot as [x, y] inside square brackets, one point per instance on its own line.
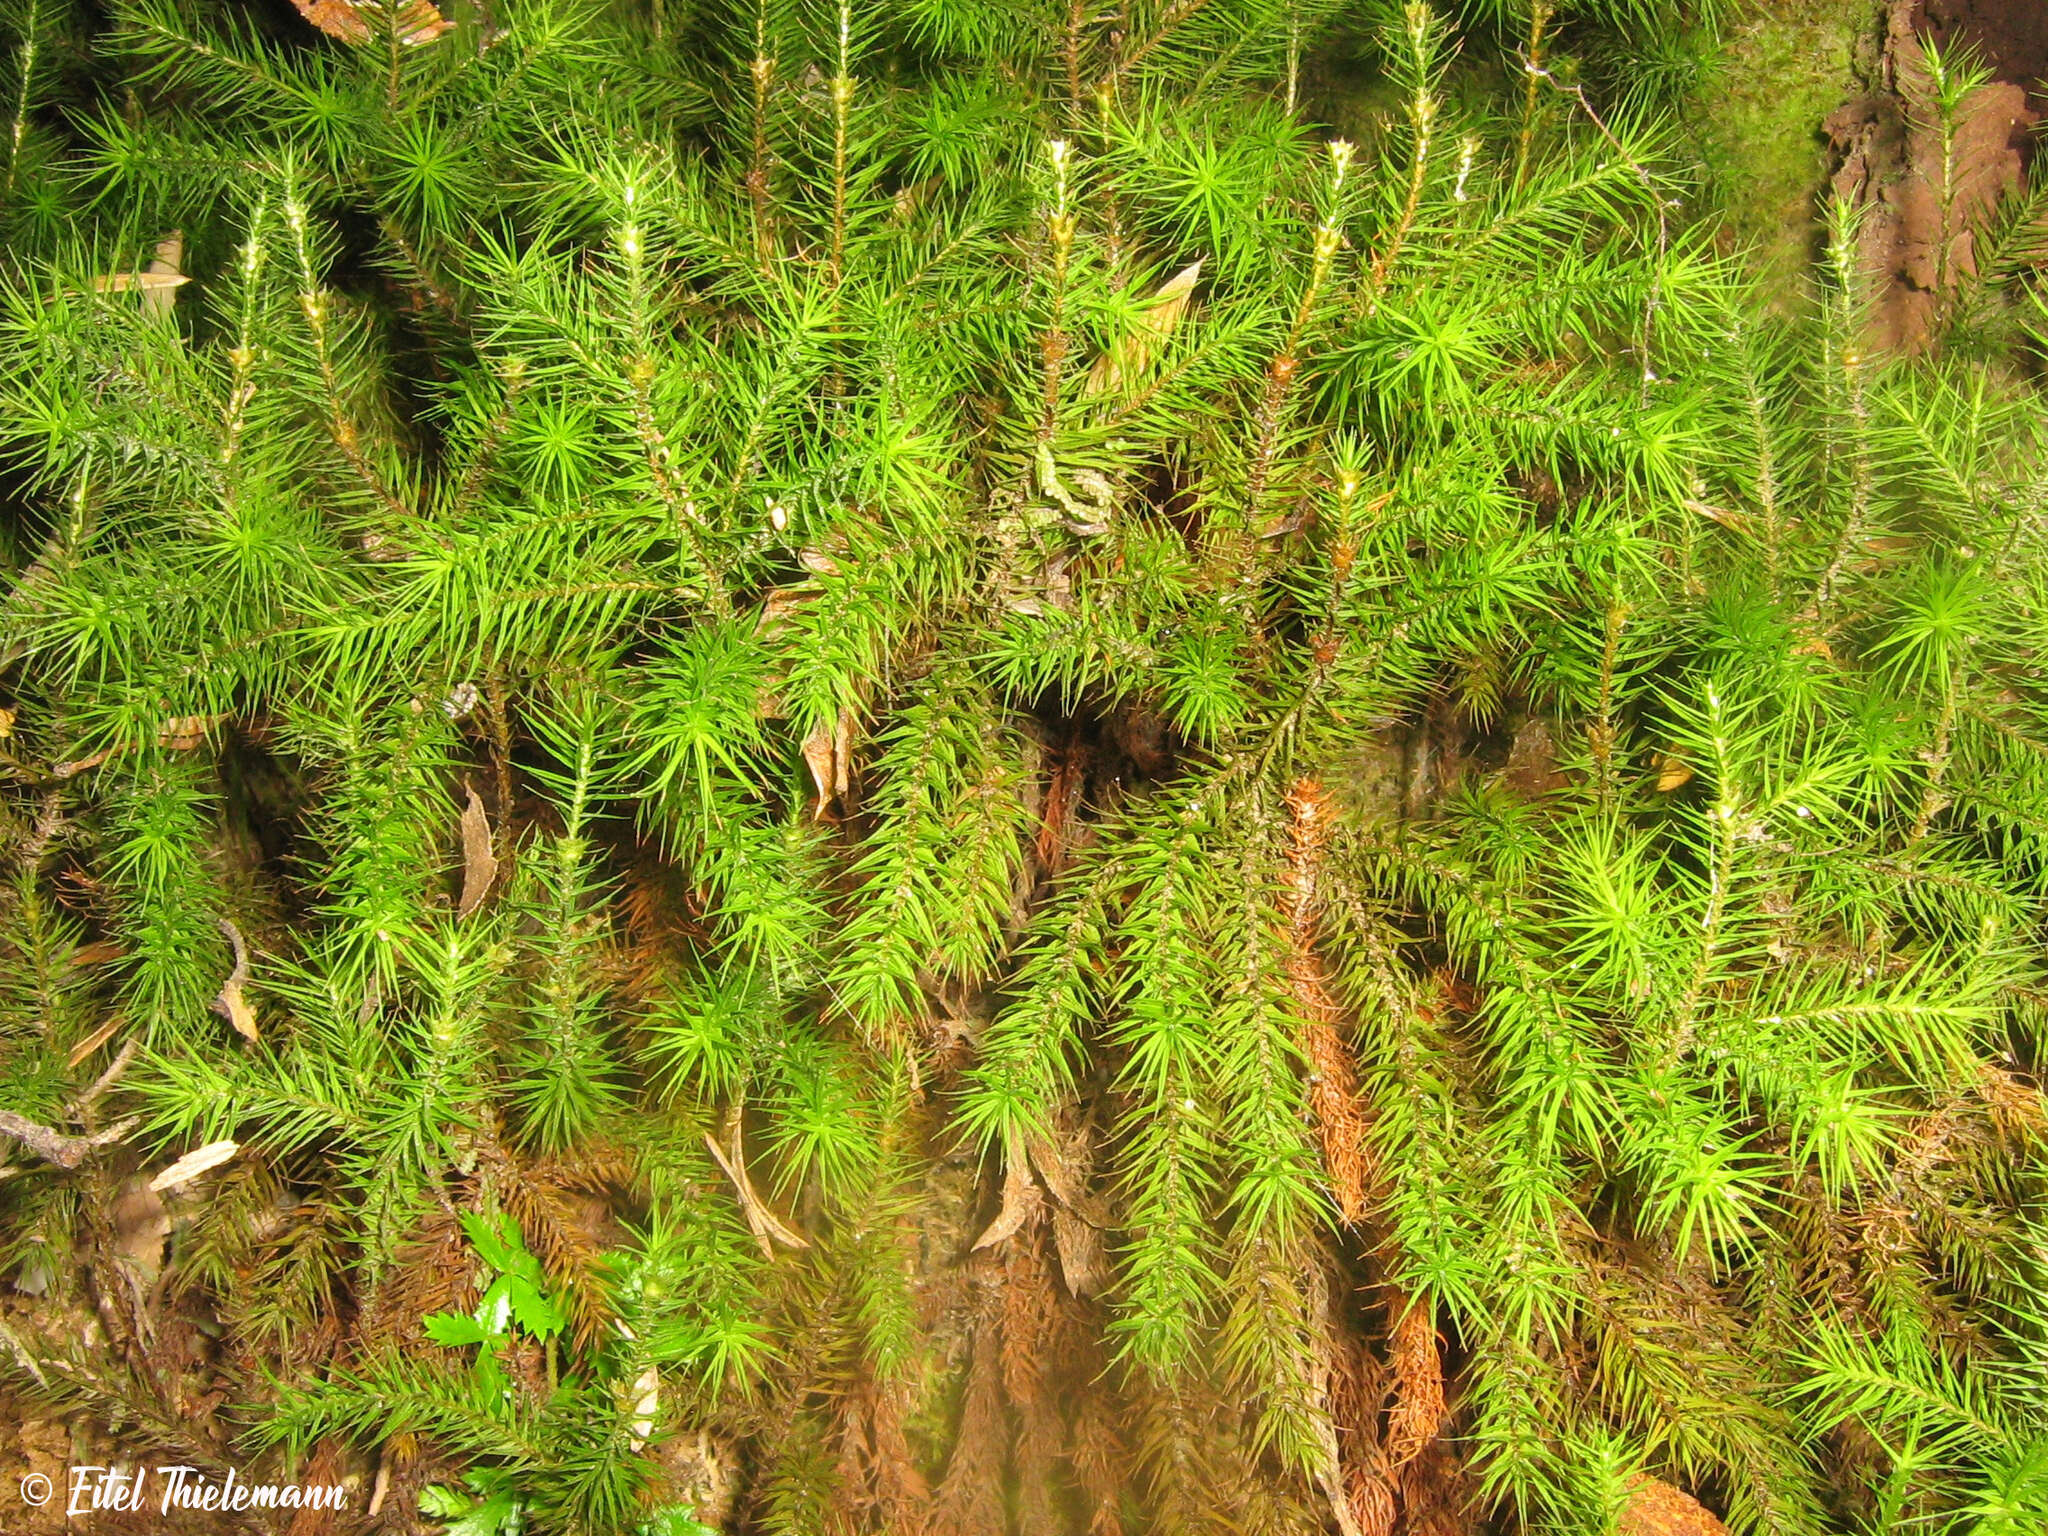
[842, 755]
[1657, 1509]
[140, 1227]
[764, 1223]
[231, 1004]
[817, 562]
[116, 1069]
[181, 733]
[1021, 1201]
[360, 21]
[646, 1405]
[479, 864]
[828, 753]
[818, 757]
[1133, 352]
[1064, 1164]
[6, 723]
[1671, 774]
[1728, 517]
[1083, 1264]
[780, 606]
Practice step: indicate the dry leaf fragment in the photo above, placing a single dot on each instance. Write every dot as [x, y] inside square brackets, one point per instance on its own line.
[6, 723]
[1021, 1201]
[1134, 350]
[819, 758]
[779, 607]
[115, 1070]
[359, 21]
[764, 1223]
[141, 1226]
[181, 733]
[158, 283]
[1727, 517]
[93, 1041]
[193, 1164]
[828, 753]
[1083, 1264]
[842, 755]
[646, 1403]
[231, 1004]
[479, 864]
[1671, 774]
[1065, 1166]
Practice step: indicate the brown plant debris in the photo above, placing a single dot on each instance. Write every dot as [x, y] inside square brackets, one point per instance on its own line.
[1133, 352]
[970, 1496]
[1021, 1201]
[96, 1039]
[231, 1004]
[479, 863]
[1419, 1406]
[56, 1147]
[1437, 1493]
[194, 1163]
[1033, 1350]
[1333, 1086]
[1065, 1163]
[360, 21]
[828, 753]
[761, 1221]
[1357, 1386]
[1657, 1509]
[158, 283]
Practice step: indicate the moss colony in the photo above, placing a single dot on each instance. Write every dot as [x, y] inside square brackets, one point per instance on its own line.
[948, 767]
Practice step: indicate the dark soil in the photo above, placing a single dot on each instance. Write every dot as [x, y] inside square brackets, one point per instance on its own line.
[1918, 239]
[2009, 35]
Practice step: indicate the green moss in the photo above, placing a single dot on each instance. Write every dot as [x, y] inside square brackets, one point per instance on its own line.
[1757, 117]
